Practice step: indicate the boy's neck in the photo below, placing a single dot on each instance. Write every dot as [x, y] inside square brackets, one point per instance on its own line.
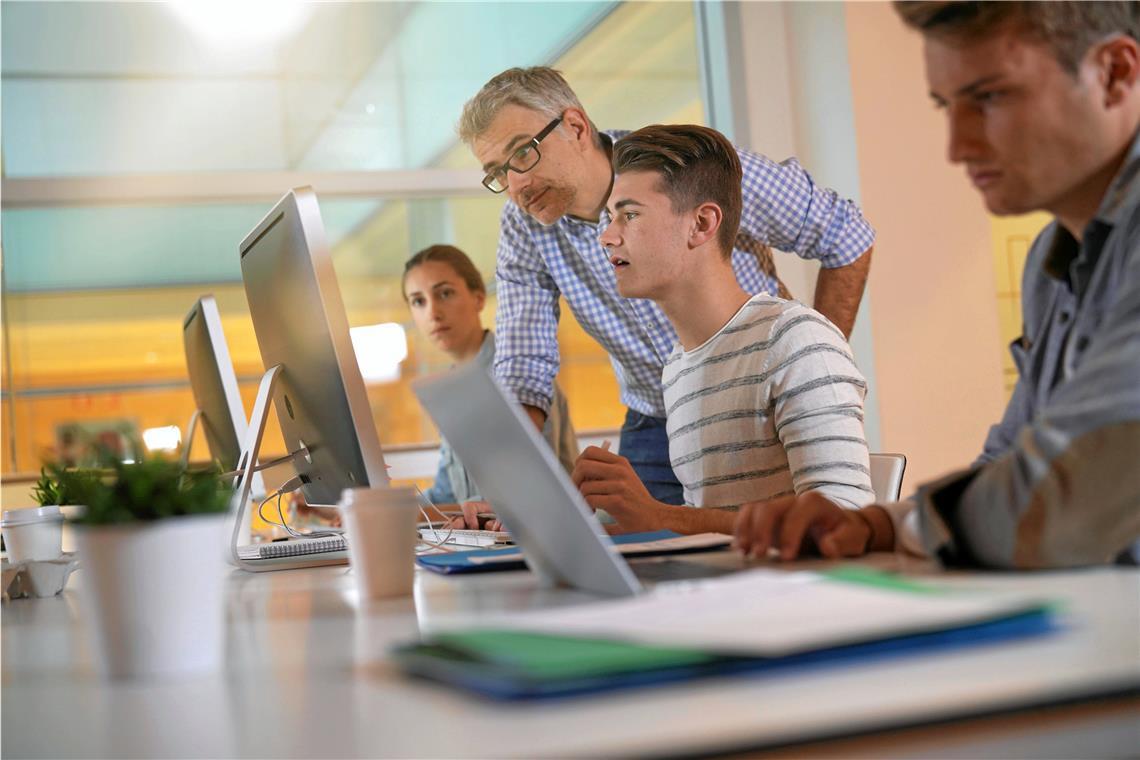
[702, 304]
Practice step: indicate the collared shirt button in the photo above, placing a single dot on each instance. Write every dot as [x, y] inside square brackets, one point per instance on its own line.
[1063, 317]
[1082, 342]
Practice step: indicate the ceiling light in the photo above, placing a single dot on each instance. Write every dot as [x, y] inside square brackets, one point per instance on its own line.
[241, 22]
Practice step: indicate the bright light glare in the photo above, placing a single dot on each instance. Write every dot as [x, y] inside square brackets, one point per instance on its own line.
[167, 438]
[379, 351]
[243, 22]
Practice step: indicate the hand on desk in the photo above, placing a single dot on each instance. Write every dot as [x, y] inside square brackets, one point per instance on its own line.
[811, 521]
[469, 520]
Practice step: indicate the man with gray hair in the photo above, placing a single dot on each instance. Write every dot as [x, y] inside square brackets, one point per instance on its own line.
[535, 141]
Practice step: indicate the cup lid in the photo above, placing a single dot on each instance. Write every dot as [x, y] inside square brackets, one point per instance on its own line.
[13, 517]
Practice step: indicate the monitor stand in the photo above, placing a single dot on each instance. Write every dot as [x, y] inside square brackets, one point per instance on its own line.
[250, 448]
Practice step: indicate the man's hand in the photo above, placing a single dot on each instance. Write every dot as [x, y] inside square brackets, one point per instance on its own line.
[608, 482]
[469, 520]
[811, 521]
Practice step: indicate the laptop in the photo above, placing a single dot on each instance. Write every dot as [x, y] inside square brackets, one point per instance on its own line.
[516, 471]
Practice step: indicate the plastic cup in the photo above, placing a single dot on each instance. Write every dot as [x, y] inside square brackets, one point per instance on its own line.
[33, 534]
[380, 527]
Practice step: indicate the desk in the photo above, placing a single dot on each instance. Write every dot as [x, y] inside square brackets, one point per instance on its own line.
[306, 677]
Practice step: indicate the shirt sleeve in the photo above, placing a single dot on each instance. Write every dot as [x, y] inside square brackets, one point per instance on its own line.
[784, 208]
[1065, 491]
[817, 399]
[526, 322]
[440, 491]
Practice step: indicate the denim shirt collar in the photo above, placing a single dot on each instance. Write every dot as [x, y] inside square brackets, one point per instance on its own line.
[1073, 262]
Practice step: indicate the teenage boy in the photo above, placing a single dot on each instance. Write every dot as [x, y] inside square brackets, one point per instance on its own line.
[1042, 102]
[535, 141]
[762, 396]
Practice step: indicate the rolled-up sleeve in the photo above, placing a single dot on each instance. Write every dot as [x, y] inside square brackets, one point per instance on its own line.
[526, 323]
[785, 208]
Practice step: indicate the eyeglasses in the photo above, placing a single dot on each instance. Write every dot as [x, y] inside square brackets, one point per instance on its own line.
[522, 160]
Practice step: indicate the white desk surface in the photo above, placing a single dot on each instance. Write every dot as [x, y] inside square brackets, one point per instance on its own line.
[306, 676]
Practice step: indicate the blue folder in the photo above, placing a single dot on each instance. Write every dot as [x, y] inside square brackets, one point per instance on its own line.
[512, 665]
[460, 561]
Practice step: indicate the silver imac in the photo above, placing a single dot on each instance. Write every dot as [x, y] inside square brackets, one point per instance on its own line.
[218, 406]
[302, 327]
[312, 377]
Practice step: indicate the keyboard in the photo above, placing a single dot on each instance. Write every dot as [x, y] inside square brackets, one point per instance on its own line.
[294, 547]
[466, 537]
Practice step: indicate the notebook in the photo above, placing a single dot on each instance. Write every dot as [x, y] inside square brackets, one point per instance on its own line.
[649, 544]
[294, 547]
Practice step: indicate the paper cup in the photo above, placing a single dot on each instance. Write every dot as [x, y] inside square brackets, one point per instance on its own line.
[380, 527]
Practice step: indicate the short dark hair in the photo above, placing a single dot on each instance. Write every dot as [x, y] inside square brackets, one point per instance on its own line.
[697, 165]
[1068, 28]
[453, 257]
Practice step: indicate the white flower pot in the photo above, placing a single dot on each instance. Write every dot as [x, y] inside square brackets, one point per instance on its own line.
[33, 534]
[153, 595]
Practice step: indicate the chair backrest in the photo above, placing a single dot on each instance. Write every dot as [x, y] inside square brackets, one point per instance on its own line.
[887, 476]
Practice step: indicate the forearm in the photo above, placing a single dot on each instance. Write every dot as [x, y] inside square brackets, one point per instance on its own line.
[838, 291]
[690, 520]
[537, 416]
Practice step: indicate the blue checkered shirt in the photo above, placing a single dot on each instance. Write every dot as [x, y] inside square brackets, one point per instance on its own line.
[783, 208]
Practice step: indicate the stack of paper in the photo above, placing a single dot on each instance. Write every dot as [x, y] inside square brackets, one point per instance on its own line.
[753, 621]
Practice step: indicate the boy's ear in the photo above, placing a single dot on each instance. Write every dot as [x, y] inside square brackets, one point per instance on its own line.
[480, 299]
[707, 219]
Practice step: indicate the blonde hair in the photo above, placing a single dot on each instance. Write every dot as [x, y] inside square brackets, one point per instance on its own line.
[538, 88]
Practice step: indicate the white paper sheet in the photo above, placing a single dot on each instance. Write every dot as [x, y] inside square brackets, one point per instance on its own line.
[769, 613]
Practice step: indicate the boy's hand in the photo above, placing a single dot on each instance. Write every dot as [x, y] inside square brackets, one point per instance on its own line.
[608, 482]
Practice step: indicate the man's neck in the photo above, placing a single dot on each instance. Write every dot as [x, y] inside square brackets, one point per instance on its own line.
[599, 180]
[703, 303]
[1079, 208]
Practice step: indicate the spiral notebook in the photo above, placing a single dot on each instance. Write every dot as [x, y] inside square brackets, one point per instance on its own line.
[294, 547]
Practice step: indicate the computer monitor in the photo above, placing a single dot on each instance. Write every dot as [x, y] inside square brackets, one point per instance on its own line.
[219, 409]
[301, 326]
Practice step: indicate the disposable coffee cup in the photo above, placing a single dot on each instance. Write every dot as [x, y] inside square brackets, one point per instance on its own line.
[380, 527]
[33, 534]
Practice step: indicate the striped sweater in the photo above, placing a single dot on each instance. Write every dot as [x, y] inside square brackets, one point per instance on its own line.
[770, 405]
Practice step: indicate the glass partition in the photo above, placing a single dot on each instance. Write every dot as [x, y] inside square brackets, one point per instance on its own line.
[94, 295]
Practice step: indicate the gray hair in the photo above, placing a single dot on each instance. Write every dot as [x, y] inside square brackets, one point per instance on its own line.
[539, 88]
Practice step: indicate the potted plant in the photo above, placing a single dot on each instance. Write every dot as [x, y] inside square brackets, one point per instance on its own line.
[150, 540]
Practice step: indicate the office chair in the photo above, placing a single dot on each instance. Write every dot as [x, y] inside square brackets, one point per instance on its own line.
[887, 476]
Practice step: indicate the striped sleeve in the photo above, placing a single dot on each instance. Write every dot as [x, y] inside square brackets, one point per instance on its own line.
[817, 404]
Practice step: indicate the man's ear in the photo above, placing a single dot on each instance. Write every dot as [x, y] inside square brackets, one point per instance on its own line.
[577, 126]
[707, 219]
[1118, 63]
